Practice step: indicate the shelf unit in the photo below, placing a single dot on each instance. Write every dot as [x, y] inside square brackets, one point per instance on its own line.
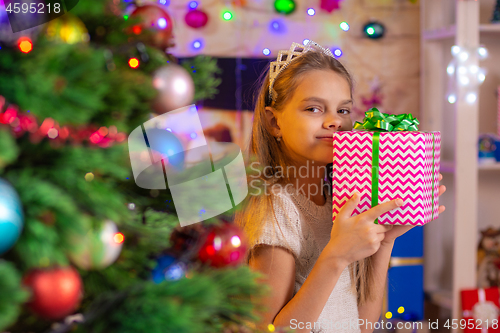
[450, 242]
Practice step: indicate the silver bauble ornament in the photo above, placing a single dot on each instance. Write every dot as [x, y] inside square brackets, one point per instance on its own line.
[175, 88]
[98, 248]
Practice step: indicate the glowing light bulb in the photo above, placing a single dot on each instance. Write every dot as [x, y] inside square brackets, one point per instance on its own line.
[133, 63]
[462, 70]
[197, 44]
[305, 41]
[311, 12]
[450, 69]
[481, 76]
[25, 45]
[473, 69]
[344, 26]
[266, 51]
[337, 52]
[227, 15]
[162, 23]
[483, 52]
[471, 98]
[463, 56]
[452, 99]
[464, 80]
[235, 240]
[193, 4]
[118, 238]
[455, 49]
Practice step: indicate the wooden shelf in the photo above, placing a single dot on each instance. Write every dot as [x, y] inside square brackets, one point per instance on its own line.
[442, 298]
[449, 166]
[451, 31]
[438, 34]
[490, 28]
[493, 166]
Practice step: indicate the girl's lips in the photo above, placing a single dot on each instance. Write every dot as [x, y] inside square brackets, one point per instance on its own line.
[328, 139]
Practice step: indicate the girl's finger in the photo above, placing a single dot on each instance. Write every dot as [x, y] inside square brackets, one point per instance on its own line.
[440, 176]
[442, 189]
[441, 209]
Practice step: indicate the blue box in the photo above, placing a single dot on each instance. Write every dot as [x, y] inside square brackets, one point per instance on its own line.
[405, 285]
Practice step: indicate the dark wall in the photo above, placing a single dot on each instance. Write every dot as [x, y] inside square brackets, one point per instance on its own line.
[237, 89]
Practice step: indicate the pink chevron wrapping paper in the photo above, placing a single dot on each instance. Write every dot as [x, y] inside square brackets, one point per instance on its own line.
[405, 171]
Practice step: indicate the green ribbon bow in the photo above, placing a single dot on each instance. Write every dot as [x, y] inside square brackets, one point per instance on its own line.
[384, 122]
[378, 122]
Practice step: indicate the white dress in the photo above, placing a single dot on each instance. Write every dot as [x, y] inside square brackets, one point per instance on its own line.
[306, 229]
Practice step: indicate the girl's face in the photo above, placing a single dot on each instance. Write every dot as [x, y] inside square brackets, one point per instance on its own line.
[320, 106]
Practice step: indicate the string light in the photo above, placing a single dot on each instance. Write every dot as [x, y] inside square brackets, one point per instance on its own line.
[483, 52]
[266, 51]
[470, 76]
[119, 238]
[311, 12]
[464, 80]
[450, 69]
[463, 56]
[162, 23]
[337, 52]
[197, 44]
[133, 62]
[227, 15]
[344, 26]
[193, 5]
[25, 45]
[481, 76]
[305, 41]
[374, 30]
[277, 26]
[471, 98]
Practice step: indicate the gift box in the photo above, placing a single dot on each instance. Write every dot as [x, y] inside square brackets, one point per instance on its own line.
[481, 307]
[488, 149]
[386, 158]
[404, 297]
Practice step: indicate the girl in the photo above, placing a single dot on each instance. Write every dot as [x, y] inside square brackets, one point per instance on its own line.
[323, 276]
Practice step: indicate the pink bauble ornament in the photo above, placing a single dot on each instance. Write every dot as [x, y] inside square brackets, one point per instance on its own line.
[330, 5]
[175, 88]
[196, 18]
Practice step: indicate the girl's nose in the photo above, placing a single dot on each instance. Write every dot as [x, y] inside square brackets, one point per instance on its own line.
[333, 122]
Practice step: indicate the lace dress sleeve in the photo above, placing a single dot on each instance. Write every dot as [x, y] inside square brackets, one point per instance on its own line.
[282, 230]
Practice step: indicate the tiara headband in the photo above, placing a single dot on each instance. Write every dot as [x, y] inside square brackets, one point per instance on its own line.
[286, 56]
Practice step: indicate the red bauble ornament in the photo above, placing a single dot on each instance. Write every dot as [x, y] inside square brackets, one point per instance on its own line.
[158, 21]
[196, 18]
[56, 292]
[224, 245]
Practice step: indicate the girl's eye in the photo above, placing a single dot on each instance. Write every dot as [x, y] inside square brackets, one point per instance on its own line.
[347, 111]
[313, 108]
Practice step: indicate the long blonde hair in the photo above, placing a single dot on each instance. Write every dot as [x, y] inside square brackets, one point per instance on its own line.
[264, 150]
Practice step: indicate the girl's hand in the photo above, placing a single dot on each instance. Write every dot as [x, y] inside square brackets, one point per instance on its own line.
[357, 237]
[398, 230]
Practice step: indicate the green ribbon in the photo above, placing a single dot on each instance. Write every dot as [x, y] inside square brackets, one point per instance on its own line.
[378, 122]
[384, 122]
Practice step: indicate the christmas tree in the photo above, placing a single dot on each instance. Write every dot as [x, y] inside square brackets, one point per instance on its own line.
[82, 247]
[496, 13]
